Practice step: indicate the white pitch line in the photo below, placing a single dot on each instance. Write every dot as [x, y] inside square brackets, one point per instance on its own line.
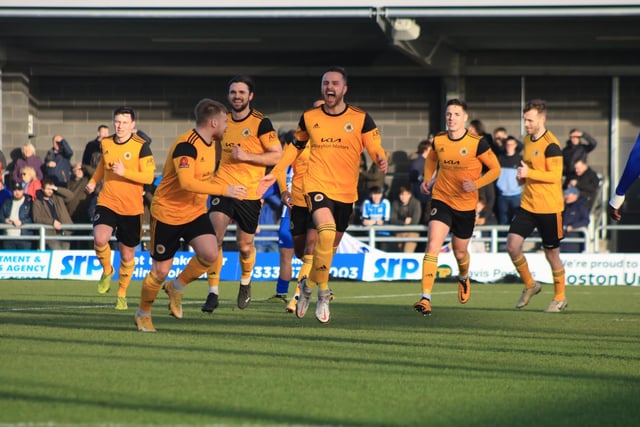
[62, 307]
[71, 307]
[395, 295]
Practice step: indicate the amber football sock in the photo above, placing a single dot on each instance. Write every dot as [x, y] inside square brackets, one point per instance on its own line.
[463, 266]
[522, 267]
[429, 267]
[194, 269]
[246, 266]
[150, 287]
[558, 285]
[323, 254]
[103, 253]
[126, 271]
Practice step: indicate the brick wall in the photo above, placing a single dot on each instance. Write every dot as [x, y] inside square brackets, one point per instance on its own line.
[74, 107]
[405, 108]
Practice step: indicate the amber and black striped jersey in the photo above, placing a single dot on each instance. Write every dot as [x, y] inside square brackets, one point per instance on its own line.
[456, 161]
[254, 134]
[337, 141]
[187, 180]
[542, 192]
[123, 194]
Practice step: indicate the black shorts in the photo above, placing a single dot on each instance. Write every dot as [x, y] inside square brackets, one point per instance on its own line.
[460, 223]
[301, 221]
[128, 228]
[341, 211]
[165, 238]
[245, 213]
[549, 226]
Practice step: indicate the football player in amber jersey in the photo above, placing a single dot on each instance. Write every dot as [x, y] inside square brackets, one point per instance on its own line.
[338, 134]
[458, 156]
[126, 166]
[541, 205]
[179, 210]
[249, 145]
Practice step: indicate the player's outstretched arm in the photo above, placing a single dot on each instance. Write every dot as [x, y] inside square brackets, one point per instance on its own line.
[264, 183]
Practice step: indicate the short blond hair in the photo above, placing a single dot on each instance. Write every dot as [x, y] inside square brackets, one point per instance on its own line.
[28, 147]
[30, 171]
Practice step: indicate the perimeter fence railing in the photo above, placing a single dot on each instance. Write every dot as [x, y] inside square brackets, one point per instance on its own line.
[383, 236]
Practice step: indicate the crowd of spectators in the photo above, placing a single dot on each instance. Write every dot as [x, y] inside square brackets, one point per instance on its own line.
[47, 190]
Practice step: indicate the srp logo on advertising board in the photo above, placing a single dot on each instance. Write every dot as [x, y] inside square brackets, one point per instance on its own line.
[76, 265]
[403, 267]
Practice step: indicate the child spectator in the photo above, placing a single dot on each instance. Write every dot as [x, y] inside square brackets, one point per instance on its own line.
[406, 211]
[376, 210]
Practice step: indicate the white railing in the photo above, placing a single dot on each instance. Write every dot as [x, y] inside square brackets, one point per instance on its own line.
[494, 236]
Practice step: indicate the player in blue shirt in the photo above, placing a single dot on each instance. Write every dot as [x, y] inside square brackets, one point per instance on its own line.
[629, 175]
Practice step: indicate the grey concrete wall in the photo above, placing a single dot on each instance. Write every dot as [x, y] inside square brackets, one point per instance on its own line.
[572, 102]
[74, 107]
[15, 112]
[405, 109]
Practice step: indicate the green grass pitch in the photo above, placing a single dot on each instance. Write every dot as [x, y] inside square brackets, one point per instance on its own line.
[67, 358]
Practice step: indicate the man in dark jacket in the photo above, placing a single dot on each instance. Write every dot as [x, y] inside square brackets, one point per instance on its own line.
[576, 150]
[575, 215]
[586, 180]
[57, 162]
[16, 211]
[50, 207]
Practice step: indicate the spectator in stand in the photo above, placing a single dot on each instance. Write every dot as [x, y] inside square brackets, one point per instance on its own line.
[79, 205]
[484, 216]
[586, 180]
[374, 177]
[376, 210]
[3, 166]
[5, 193]
[499, 138]
[416, 176]
[574, 216]
[16, 211]
[406, 211]
[476, 127]
[508, 188]
[363, 189]
[92, 154]
[29, 181]
[576, 150]
[90, 159]
[57, 162]
[50, 207]
[28, 158]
